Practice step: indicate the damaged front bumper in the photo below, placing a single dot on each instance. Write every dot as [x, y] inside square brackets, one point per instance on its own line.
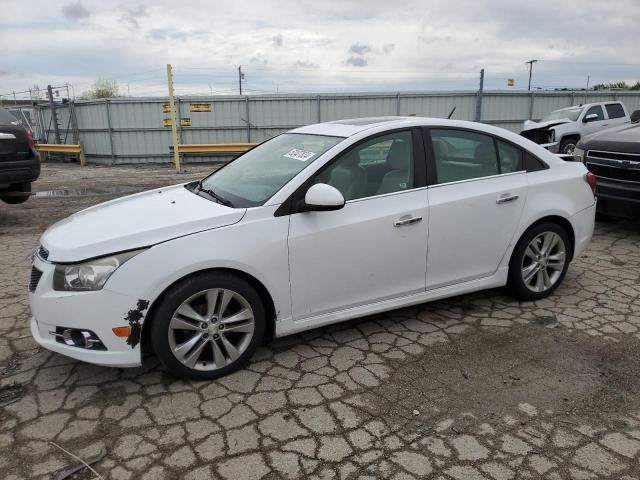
[95, 311]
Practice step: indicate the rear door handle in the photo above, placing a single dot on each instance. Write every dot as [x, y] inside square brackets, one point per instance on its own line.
[506, 198]
[407, 221]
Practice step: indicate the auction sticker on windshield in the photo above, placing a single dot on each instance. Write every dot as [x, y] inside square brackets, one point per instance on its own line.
[301, 155]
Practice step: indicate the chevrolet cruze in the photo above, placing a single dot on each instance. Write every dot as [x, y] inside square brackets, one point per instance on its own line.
[322, 224]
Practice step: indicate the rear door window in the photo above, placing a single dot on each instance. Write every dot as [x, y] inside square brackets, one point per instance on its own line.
[614, 110]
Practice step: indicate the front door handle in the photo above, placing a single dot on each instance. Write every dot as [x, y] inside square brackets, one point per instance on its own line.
[506, 198]
[407, 221]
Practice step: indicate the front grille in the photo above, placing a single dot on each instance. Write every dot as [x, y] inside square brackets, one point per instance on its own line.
[614, 171]
[34, 279]
[43, 253]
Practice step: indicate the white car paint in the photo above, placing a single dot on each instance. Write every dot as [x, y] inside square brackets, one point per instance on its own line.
[318, 267]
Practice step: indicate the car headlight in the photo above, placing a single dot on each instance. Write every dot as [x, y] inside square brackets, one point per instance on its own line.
[89, 275]
[578, 153]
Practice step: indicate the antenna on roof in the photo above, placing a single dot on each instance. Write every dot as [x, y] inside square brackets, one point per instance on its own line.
[451, 113]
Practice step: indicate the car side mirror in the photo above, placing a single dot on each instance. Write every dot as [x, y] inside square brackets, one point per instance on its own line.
[592, 117]
[321, 198]
[635, 116]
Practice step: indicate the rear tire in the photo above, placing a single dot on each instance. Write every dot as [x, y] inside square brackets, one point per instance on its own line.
[15, 192]
[539, 262]
[208, 326]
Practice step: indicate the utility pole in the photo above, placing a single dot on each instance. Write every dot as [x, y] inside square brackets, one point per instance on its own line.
[174, 126]
[479, 98]
[240, 78]
[530, 63]
[54, 115]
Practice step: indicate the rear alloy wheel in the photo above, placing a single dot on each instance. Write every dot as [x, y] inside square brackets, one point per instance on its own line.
[208, 326]
[539, 262]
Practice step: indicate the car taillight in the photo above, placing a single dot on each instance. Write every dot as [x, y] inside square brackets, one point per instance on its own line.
[591, 179]
[32, 142]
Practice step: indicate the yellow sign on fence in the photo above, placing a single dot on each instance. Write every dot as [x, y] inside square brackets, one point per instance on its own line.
[200, 107]
[184, 122]
[166, 108]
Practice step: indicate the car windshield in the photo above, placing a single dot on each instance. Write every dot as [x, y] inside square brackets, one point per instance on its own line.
[256, 176]
[571, 113]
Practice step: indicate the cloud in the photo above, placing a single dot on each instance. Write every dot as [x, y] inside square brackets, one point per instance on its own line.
[277, 40]
[259, 57]
[359, 49]
[356, 61]
[75, 11]
[130, 16]
[388, 48]
[304, 64]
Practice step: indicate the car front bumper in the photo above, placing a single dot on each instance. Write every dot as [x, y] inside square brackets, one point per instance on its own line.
[98, 311]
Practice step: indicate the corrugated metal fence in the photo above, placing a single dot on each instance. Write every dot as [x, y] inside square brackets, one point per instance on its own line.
[132, 130]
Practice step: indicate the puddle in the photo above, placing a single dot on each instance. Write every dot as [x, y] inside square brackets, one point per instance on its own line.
[74, 192]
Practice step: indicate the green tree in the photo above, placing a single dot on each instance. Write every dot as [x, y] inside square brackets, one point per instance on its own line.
[617, 85]
[102, 89]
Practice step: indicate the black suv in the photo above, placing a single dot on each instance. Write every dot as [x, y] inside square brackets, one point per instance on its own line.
[613, 156]
[19, 160]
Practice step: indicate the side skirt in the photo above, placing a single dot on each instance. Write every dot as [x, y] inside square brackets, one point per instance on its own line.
[288, 326]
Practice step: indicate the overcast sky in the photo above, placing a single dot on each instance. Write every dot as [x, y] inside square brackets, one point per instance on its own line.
[316, 45]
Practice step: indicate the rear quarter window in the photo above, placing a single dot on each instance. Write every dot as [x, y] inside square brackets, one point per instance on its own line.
[615, 110]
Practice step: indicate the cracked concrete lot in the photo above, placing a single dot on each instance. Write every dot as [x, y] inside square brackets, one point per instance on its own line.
[474, 387]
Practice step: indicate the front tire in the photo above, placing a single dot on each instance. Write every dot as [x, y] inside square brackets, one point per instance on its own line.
[18, 193]
[208, 326]
[539, 262]
[568, 145]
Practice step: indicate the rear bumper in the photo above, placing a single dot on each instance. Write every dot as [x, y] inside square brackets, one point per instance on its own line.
[19, 171]
[583, 223]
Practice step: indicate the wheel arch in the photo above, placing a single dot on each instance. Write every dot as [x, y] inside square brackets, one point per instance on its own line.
[265, 296]
[558, 220]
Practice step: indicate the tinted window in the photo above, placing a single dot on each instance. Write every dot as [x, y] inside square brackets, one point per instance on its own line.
[614, 110]
[510, 157]
[6, 118]
[381, 165]
[461, 155]
[597, 109]
[533, 164]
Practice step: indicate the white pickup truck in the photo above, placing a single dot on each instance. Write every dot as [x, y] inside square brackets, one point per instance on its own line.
[560, 130]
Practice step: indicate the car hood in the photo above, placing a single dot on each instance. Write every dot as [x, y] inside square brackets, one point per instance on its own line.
[531, 125]
[135, 221]
[623, 138]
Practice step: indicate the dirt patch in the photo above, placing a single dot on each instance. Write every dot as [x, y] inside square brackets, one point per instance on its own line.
[490, 373]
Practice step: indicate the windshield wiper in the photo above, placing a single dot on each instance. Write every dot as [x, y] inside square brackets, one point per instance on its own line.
[218, 198]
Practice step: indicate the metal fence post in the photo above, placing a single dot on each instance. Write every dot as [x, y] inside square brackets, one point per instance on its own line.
[318, 104]
[531, 100]
[246, 103]
[113, 157]
[398, 104]
[479, 98]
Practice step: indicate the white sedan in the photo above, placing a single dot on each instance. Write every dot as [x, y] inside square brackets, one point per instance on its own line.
[318, 225]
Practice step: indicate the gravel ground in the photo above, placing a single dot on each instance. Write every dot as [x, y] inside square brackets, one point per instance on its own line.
[475, 387]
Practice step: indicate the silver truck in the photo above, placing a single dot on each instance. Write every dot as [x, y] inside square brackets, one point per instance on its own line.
[560, 130]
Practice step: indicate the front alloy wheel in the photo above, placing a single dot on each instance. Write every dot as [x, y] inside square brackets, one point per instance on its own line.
[539, 262]
[211, 329]
[207, 326]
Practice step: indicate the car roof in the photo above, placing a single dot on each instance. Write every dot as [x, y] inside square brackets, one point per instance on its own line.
[354, 126]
